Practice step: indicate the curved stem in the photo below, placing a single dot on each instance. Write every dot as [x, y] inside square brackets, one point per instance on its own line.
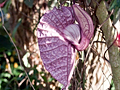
[16, 49]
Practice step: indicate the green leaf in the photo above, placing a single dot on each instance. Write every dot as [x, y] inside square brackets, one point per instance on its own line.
[116, 15]
[51, 79]
[9, 53]
[19, 68]
[35, 71]
[0, 84]
[7, 6]
[22, 77]
[1, 55]
[29, 3]
[16, 27]
[50, 3]
[4, 80]
[1, 1]
[6, 75]
[4, 43]
[17, 71]
[44, 78]
[115, 4]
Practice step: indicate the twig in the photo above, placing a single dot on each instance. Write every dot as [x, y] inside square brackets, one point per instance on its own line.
[7, 61]
[78, 73]
[112, 43]
[16, 49]
[19, 84]
[109, 48]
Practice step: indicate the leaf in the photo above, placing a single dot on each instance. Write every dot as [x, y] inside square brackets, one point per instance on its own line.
[57, 54]
[50, 79]
[115, 4]
[44, 78]
[29, 3]
[50, 3]
[7, 6]
[9, 53]
[16, 27]
[7, 75]
[88, 2]
[4, 80]
[5, 44]
[17, 71]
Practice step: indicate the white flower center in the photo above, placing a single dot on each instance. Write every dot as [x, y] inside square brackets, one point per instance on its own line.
[72, 33]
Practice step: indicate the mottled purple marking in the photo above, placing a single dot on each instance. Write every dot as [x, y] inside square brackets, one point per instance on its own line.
[57, 53]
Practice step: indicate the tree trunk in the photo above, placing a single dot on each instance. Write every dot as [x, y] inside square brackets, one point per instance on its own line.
[110, 34]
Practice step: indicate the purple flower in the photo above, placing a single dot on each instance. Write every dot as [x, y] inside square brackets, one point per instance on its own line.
[2, 4]
[59, 36]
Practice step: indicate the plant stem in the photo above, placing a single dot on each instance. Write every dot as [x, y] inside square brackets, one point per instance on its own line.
[16, 49]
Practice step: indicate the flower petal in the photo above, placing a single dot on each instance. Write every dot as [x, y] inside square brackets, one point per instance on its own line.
[84, 21]
[58, 18]
[86, 25]
[57, 54]
[2, 4]
[72, 33]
